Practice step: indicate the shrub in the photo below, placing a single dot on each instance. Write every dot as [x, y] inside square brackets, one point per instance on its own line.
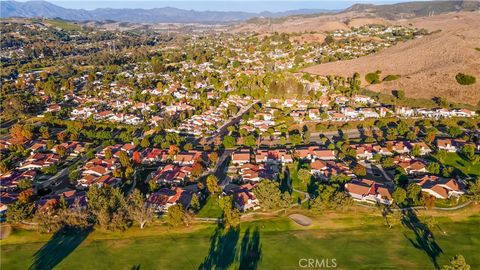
[465, 79]
[391, 78]
[372, 78]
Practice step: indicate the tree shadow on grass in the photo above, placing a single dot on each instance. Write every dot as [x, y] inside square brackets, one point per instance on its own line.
[224, 250]
[424, 239]
[250, 250]
[223, 247]
[62, 243]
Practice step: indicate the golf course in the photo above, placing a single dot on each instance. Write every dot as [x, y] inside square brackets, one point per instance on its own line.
[356, 239]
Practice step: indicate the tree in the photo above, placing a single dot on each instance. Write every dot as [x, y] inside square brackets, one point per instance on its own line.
[21, 134]
[329, 40]
[44, 132]
[24, 184]
[19, 211]
[61, 151]
[454, 131]
[136, 157]
[329, 197]
[75, 217]
[360, 170]
[250, 141]
[138, 209]
[124, 159]
[213, 157]
[270, 196]
[197, 169]
[304, 175]
[415, 151]
[228, 141]
[176, 216]
[474, 189]
[468, 151]
[108, 208]
[465, 79]
[388, 162]
[457, 263]
[195, 203]
[295, 139]
[433, 167]
[399, 94]
[48, 219]
[431, 134]
[372, 78]
[145, 143]
[413, 192]
[399, 195]
[212, 184]
[231, 216]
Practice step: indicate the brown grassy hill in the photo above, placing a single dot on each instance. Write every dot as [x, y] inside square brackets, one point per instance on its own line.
[427, 65]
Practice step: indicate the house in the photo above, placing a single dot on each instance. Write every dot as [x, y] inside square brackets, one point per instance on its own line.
[413, 166]
[128, 148]
[241, 156]
[38, 147]
[252, 172]
[273, 156]
[363, 151]
[441, 188]
[38, 161]
[363, 99]
[188, 158]
[163, 199]
[422, 146]
[243, 197]
[369, 191]
[153, 155]
[314, 152]
[398, 147]
[447, 145]
[171, 174]
[317, 166]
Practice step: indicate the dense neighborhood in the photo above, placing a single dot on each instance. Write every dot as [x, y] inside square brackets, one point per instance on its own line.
[113, 129]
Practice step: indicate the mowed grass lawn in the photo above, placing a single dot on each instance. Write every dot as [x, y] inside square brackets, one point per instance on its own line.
[357, 240]
[211, 209]
[465, 166]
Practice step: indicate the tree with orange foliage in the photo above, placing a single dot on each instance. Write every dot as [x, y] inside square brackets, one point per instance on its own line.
[137, 159]
[197, 169]
[173, 150]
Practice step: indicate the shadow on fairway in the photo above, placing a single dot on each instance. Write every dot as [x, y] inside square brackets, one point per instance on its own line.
[62, 243]
[224, 250]
[424, 239]
[250, 250]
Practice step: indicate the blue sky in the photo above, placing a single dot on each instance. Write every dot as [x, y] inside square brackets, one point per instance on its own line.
[226, 5]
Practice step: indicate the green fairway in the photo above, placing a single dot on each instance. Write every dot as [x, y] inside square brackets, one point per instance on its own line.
[356, 241]
[465, 166]
[211, 209]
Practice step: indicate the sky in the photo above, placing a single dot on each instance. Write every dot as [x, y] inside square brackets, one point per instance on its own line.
[225, 5]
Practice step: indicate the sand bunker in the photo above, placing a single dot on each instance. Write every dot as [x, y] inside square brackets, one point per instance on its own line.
[301, 219]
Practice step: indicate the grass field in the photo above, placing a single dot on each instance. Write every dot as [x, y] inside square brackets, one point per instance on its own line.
[466, 167]
[357, 240]
[211, 209]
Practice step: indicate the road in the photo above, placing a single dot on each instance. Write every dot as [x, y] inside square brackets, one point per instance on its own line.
[60, 180]
[231, 121]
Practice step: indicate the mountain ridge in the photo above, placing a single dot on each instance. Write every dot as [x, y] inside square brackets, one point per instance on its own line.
[44, 9]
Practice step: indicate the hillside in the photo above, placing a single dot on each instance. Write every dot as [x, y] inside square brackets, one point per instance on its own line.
[427, 65]
[354, 16]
